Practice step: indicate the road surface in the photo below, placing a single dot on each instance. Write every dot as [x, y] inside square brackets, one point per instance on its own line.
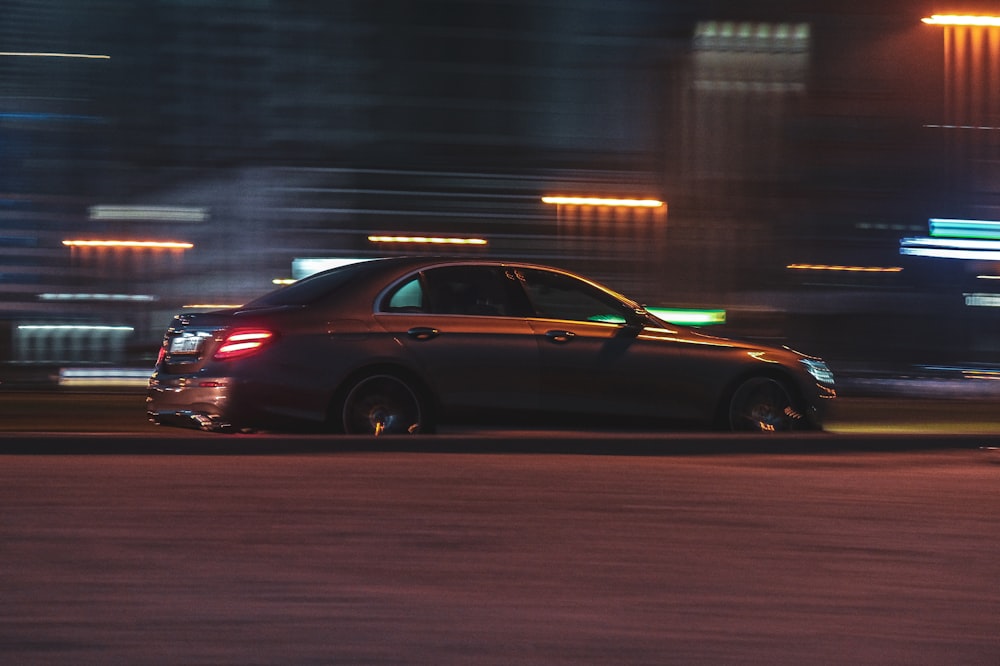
[457, 558]
[875, 544]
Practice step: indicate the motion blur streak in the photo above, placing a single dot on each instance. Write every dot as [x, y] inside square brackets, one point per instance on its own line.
[163, 213]
[597, 201]
[962, 20]
[431, 240]
[83, 56]
[165, 245]
[848, 269]
[981, 229]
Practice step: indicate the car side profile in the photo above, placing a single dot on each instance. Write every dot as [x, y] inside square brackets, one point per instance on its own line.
[400, 345]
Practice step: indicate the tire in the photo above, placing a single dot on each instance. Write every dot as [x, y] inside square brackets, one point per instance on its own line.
[383, 404]
[764, 404]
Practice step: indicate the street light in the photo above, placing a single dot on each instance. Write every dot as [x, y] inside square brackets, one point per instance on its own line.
[962, 19]
[155, 245]
[600, 201]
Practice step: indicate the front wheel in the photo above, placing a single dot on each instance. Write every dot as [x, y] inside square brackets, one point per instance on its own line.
[383, 405]
[764, 404]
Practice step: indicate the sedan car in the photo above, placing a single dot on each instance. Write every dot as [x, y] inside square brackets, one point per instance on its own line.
[399, 345]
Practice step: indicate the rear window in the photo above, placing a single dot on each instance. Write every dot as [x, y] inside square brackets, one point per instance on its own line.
[313, 288]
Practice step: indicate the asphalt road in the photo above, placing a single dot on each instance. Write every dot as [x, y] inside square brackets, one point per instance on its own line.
[874, 544]
[440, 558]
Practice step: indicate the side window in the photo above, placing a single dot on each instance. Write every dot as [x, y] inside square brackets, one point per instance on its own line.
[409, 297]
[558, 296]
[471, 290]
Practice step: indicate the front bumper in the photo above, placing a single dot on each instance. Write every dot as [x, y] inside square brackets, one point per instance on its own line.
[820, 405]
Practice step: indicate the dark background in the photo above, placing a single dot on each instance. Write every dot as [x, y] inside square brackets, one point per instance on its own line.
[778, 133]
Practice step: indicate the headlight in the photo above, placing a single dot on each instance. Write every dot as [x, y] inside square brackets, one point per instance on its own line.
[818, 369]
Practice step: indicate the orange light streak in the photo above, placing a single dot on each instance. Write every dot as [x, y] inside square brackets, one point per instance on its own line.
[600, 201]
[427, 239]
[160, 245]
[962, 19]
[849, 269]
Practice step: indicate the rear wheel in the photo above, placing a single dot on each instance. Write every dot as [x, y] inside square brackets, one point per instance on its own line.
[764, 404]
[383, 405]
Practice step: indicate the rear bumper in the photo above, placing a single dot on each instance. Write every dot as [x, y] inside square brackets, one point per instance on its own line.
[191, 402]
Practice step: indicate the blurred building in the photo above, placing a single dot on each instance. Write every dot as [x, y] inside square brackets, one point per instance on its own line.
[786, 134]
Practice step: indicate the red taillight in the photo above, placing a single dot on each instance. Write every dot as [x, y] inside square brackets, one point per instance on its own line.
[242, 342]
[163, 352]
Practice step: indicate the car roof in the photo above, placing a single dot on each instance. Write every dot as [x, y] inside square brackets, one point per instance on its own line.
[385, 265]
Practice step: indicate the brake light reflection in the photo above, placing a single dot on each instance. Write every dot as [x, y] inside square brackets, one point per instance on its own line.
[242, 343]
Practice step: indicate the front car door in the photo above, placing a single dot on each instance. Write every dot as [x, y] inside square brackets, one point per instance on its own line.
[600, 356]
[465, 329]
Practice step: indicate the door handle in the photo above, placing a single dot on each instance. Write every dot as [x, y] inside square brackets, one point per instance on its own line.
[560, 337]
[423, 333]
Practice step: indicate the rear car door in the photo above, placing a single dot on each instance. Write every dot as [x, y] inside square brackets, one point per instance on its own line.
[464, 326]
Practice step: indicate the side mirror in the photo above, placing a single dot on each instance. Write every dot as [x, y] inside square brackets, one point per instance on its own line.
[635, 321]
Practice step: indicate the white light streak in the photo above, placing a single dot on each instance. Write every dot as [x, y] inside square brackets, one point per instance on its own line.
[952, 243]
[943, 253]
[31, 54]
[162, 213]
[72, 327]
[982, 300]
[103, 377]
[97, 297]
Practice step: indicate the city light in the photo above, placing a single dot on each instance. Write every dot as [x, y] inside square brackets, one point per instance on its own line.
[981, 128]
[142, 298]
[976, 229]
[982, 300]
[306, 266]
[73, 327]
[598, 201]
[122, 377]
[427, 239]
[951, 253]
[973, 240]
[951, 248]
[158, 245]
[689, 317]
[28, 54]
[962, 20]
[952, 243]
[157, 213]
[847, 269]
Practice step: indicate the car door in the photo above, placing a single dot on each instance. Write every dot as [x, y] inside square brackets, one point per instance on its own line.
[464, 326]
[598, 357]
